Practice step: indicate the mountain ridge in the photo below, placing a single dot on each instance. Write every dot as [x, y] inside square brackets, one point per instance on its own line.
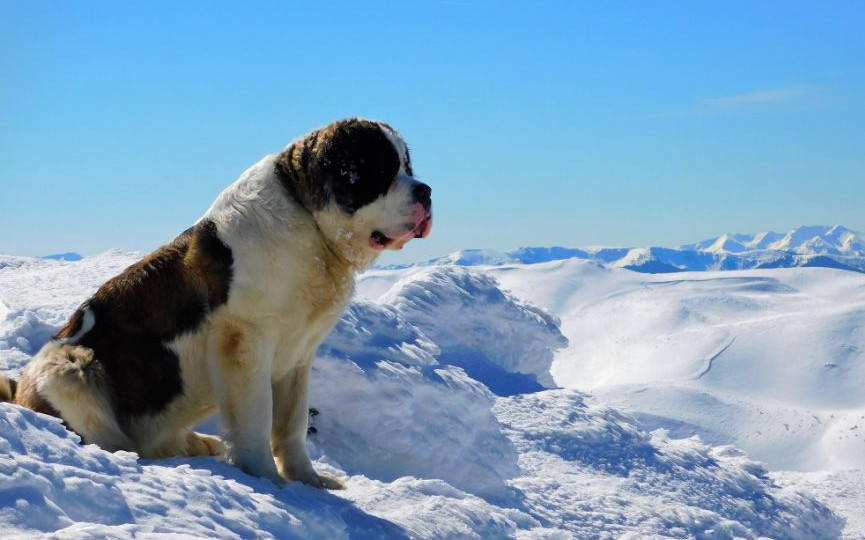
[830, 246]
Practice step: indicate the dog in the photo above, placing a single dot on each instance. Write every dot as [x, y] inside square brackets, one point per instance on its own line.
[228, 316]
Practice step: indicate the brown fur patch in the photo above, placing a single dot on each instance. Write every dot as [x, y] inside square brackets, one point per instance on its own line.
[7, 389]
[28, 396]
[167, 293]
[293, 167]
[231, 342]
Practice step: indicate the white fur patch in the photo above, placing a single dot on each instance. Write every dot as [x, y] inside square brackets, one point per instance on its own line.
[398, 143]
[87, 323]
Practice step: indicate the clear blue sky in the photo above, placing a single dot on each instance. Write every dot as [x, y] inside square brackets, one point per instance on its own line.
[536, 122]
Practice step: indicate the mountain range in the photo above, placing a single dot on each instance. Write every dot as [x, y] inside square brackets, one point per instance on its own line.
[829, 246]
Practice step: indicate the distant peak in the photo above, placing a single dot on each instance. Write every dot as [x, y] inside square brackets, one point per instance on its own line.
[71, 256]
[728, 243]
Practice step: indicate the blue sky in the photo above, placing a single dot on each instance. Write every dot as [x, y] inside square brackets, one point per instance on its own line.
[536, 122]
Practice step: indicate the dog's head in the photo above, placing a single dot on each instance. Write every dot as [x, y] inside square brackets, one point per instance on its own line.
[355, 178]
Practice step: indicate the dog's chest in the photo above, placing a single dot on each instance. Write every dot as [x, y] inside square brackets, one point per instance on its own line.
[298, 292]
[304, 290]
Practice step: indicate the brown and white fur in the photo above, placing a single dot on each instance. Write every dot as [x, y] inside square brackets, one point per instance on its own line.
[228, 316]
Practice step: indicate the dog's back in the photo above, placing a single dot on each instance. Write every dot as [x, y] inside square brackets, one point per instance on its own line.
[109, 364]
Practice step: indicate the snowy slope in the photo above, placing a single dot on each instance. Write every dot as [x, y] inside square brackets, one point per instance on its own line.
[829, 246]
[770, 360]
[440, 408]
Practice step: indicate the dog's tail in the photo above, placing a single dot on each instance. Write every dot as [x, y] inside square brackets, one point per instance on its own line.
[7, 388]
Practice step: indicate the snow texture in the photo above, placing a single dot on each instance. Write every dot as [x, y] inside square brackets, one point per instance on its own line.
[453, 404]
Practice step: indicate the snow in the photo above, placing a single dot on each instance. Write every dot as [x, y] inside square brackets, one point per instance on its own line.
[769, 360]
[649, 485]
[841, 489]
[554, 400]
[489, 333]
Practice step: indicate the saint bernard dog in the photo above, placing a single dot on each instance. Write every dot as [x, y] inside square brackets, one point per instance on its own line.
[228, 316]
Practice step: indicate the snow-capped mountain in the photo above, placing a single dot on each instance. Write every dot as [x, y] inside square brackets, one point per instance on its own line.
[807, 240]
[70, 256]
[829, 246]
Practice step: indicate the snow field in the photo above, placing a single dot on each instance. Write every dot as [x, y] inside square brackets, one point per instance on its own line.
[434, 411]
[772, 361]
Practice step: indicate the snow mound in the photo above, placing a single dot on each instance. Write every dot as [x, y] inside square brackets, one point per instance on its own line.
[51, 483]
[841, 489]
[491, 334]
[425, 348]
[22, 334]
[368, 332]
[616, 481]
[390, 420]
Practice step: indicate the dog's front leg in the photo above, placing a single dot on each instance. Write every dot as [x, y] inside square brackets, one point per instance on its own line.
[241, 362]
[290, 414]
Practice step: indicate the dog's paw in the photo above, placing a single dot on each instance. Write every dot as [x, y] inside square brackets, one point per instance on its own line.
[199, 444]
[321, 481]
[325, 481]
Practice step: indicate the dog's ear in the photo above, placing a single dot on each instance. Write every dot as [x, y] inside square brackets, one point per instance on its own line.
[350, 162]
[299, 170]
[311, 166]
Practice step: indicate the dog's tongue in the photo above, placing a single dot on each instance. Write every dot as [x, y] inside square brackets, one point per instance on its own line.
[423, 224]
[423, 228]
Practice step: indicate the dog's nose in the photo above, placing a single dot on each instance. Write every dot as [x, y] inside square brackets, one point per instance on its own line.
[422, 194]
